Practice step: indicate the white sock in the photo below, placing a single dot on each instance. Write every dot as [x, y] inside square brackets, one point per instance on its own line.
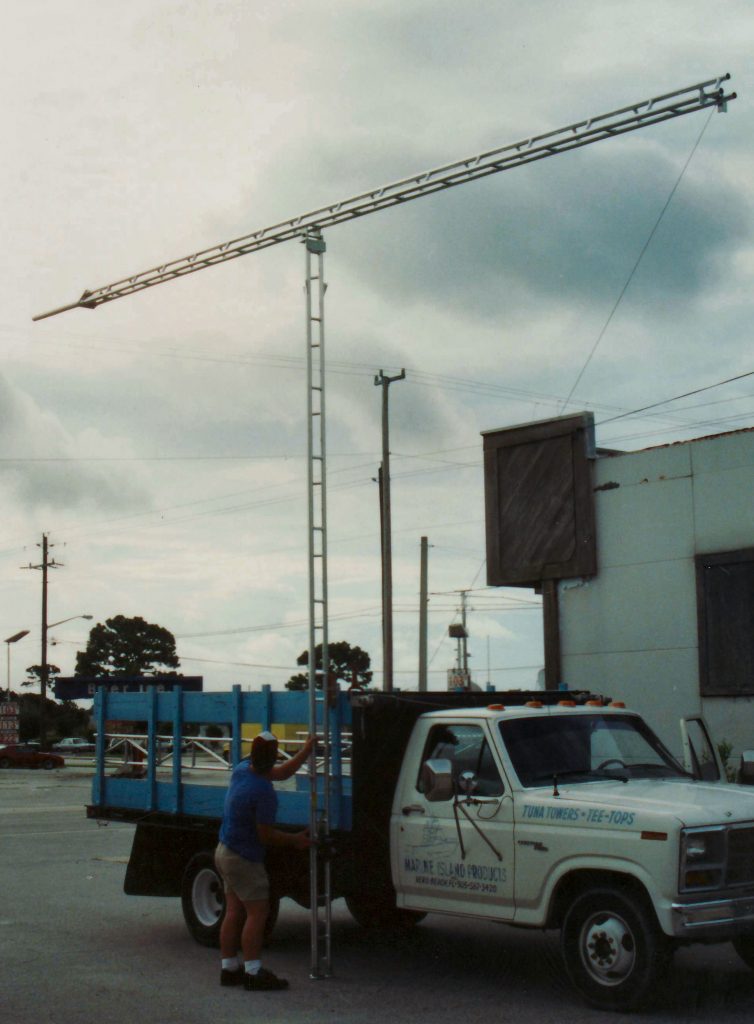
[252, 966]
[230, 963]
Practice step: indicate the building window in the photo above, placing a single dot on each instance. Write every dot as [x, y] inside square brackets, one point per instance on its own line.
[725, 600]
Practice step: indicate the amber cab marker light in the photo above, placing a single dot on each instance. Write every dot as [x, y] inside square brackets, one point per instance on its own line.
[617, 704]
[496, 707]
[567, 703]
[534, 704]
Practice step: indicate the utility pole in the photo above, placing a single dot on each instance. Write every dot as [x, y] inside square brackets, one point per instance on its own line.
[44, 667]
[423, 602]
[387, 553]
[458, 632]
[464, 640]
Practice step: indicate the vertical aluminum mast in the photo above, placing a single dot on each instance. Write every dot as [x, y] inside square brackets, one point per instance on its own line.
[319, 802]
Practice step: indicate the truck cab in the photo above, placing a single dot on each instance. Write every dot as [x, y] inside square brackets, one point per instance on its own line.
[576, 817]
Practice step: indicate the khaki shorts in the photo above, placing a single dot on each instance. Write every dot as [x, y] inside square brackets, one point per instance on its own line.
[243, 877]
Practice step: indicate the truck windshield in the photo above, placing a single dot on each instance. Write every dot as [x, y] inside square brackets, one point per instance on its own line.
[583, 748]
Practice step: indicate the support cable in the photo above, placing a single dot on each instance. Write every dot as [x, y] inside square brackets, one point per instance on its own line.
[635, 267]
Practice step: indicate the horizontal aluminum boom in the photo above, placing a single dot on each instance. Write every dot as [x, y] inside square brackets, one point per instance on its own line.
[538, 147]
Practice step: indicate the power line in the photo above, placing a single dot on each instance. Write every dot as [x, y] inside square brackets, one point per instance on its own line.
[677, 398]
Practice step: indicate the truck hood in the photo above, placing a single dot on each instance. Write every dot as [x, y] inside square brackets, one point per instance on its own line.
[691, 803]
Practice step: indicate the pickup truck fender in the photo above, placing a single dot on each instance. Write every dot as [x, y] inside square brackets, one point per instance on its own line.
[575, 874]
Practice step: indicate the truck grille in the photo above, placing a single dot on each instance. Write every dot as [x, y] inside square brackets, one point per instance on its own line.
[740, 869]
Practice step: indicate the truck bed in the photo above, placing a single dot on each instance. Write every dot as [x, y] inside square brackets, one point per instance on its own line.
[166, 791]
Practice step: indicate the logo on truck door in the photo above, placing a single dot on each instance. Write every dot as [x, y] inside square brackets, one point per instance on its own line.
[432, 862]
[592, 815]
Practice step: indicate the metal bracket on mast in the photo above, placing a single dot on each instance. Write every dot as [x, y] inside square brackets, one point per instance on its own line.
[319, 802]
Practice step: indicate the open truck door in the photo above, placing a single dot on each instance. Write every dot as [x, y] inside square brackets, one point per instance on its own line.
[700, 756]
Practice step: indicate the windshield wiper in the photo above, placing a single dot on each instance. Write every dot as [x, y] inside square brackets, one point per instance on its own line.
[657, 768]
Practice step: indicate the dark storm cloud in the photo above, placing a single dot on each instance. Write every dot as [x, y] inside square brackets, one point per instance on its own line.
[569, 229]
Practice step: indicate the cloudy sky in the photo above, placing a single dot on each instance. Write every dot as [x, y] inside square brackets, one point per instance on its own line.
[160, 440]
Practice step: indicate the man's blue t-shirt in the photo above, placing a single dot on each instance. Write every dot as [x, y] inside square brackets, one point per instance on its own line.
[250, 801]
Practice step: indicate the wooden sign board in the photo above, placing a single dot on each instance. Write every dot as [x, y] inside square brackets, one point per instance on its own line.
[539, 501]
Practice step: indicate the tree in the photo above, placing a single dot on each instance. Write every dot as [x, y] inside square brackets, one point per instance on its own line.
[347, 664]
[126, 646]
[35, 672]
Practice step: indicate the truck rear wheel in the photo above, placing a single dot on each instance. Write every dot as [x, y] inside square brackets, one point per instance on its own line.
[380, 912]
[203, 901]
[744, 946]
[613, 949]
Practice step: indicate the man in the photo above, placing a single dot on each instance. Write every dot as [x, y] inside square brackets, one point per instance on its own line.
[247, 829]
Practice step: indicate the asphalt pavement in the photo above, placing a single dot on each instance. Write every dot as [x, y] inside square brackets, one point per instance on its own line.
[75, 950]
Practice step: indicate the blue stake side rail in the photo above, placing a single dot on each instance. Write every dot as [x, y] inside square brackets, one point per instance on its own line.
[177, 797]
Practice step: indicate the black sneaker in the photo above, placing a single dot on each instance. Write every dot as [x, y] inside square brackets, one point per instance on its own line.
[232, 977]
[264, 981]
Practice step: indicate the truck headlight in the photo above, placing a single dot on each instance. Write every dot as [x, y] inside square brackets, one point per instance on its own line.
[703, 857]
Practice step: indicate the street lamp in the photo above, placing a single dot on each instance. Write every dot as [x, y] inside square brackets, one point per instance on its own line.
[9, 641]
[60, 623]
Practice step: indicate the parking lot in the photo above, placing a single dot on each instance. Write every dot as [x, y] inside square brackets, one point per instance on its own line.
[75, 949]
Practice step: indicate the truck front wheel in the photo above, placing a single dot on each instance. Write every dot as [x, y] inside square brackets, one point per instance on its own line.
[613, 949]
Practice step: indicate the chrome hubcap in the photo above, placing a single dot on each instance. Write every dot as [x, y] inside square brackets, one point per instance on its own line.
[607, 948]
[207, 897]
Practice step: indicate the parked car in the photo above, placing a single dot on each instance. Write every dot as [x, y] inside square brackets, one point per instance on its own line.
[28, 755]
[74, 745]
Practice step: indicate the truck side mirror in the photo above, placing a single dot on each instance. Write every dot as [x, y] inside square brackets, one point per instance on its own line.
[437, 779]
[745, 775]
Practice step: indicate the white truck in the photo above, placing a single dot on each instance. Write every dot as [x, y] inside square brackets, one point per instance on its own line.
[547, 811]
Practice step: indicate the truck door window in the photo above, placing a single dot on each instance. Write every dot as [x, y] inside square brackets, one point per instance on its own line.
[467, 749]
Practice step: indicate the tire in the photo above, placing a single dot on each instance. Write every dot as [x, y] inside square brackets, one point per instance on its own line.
[380, 913]
[48, 765]
[613, 949]
[5, 762]
[744, 946]
[203, 899]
